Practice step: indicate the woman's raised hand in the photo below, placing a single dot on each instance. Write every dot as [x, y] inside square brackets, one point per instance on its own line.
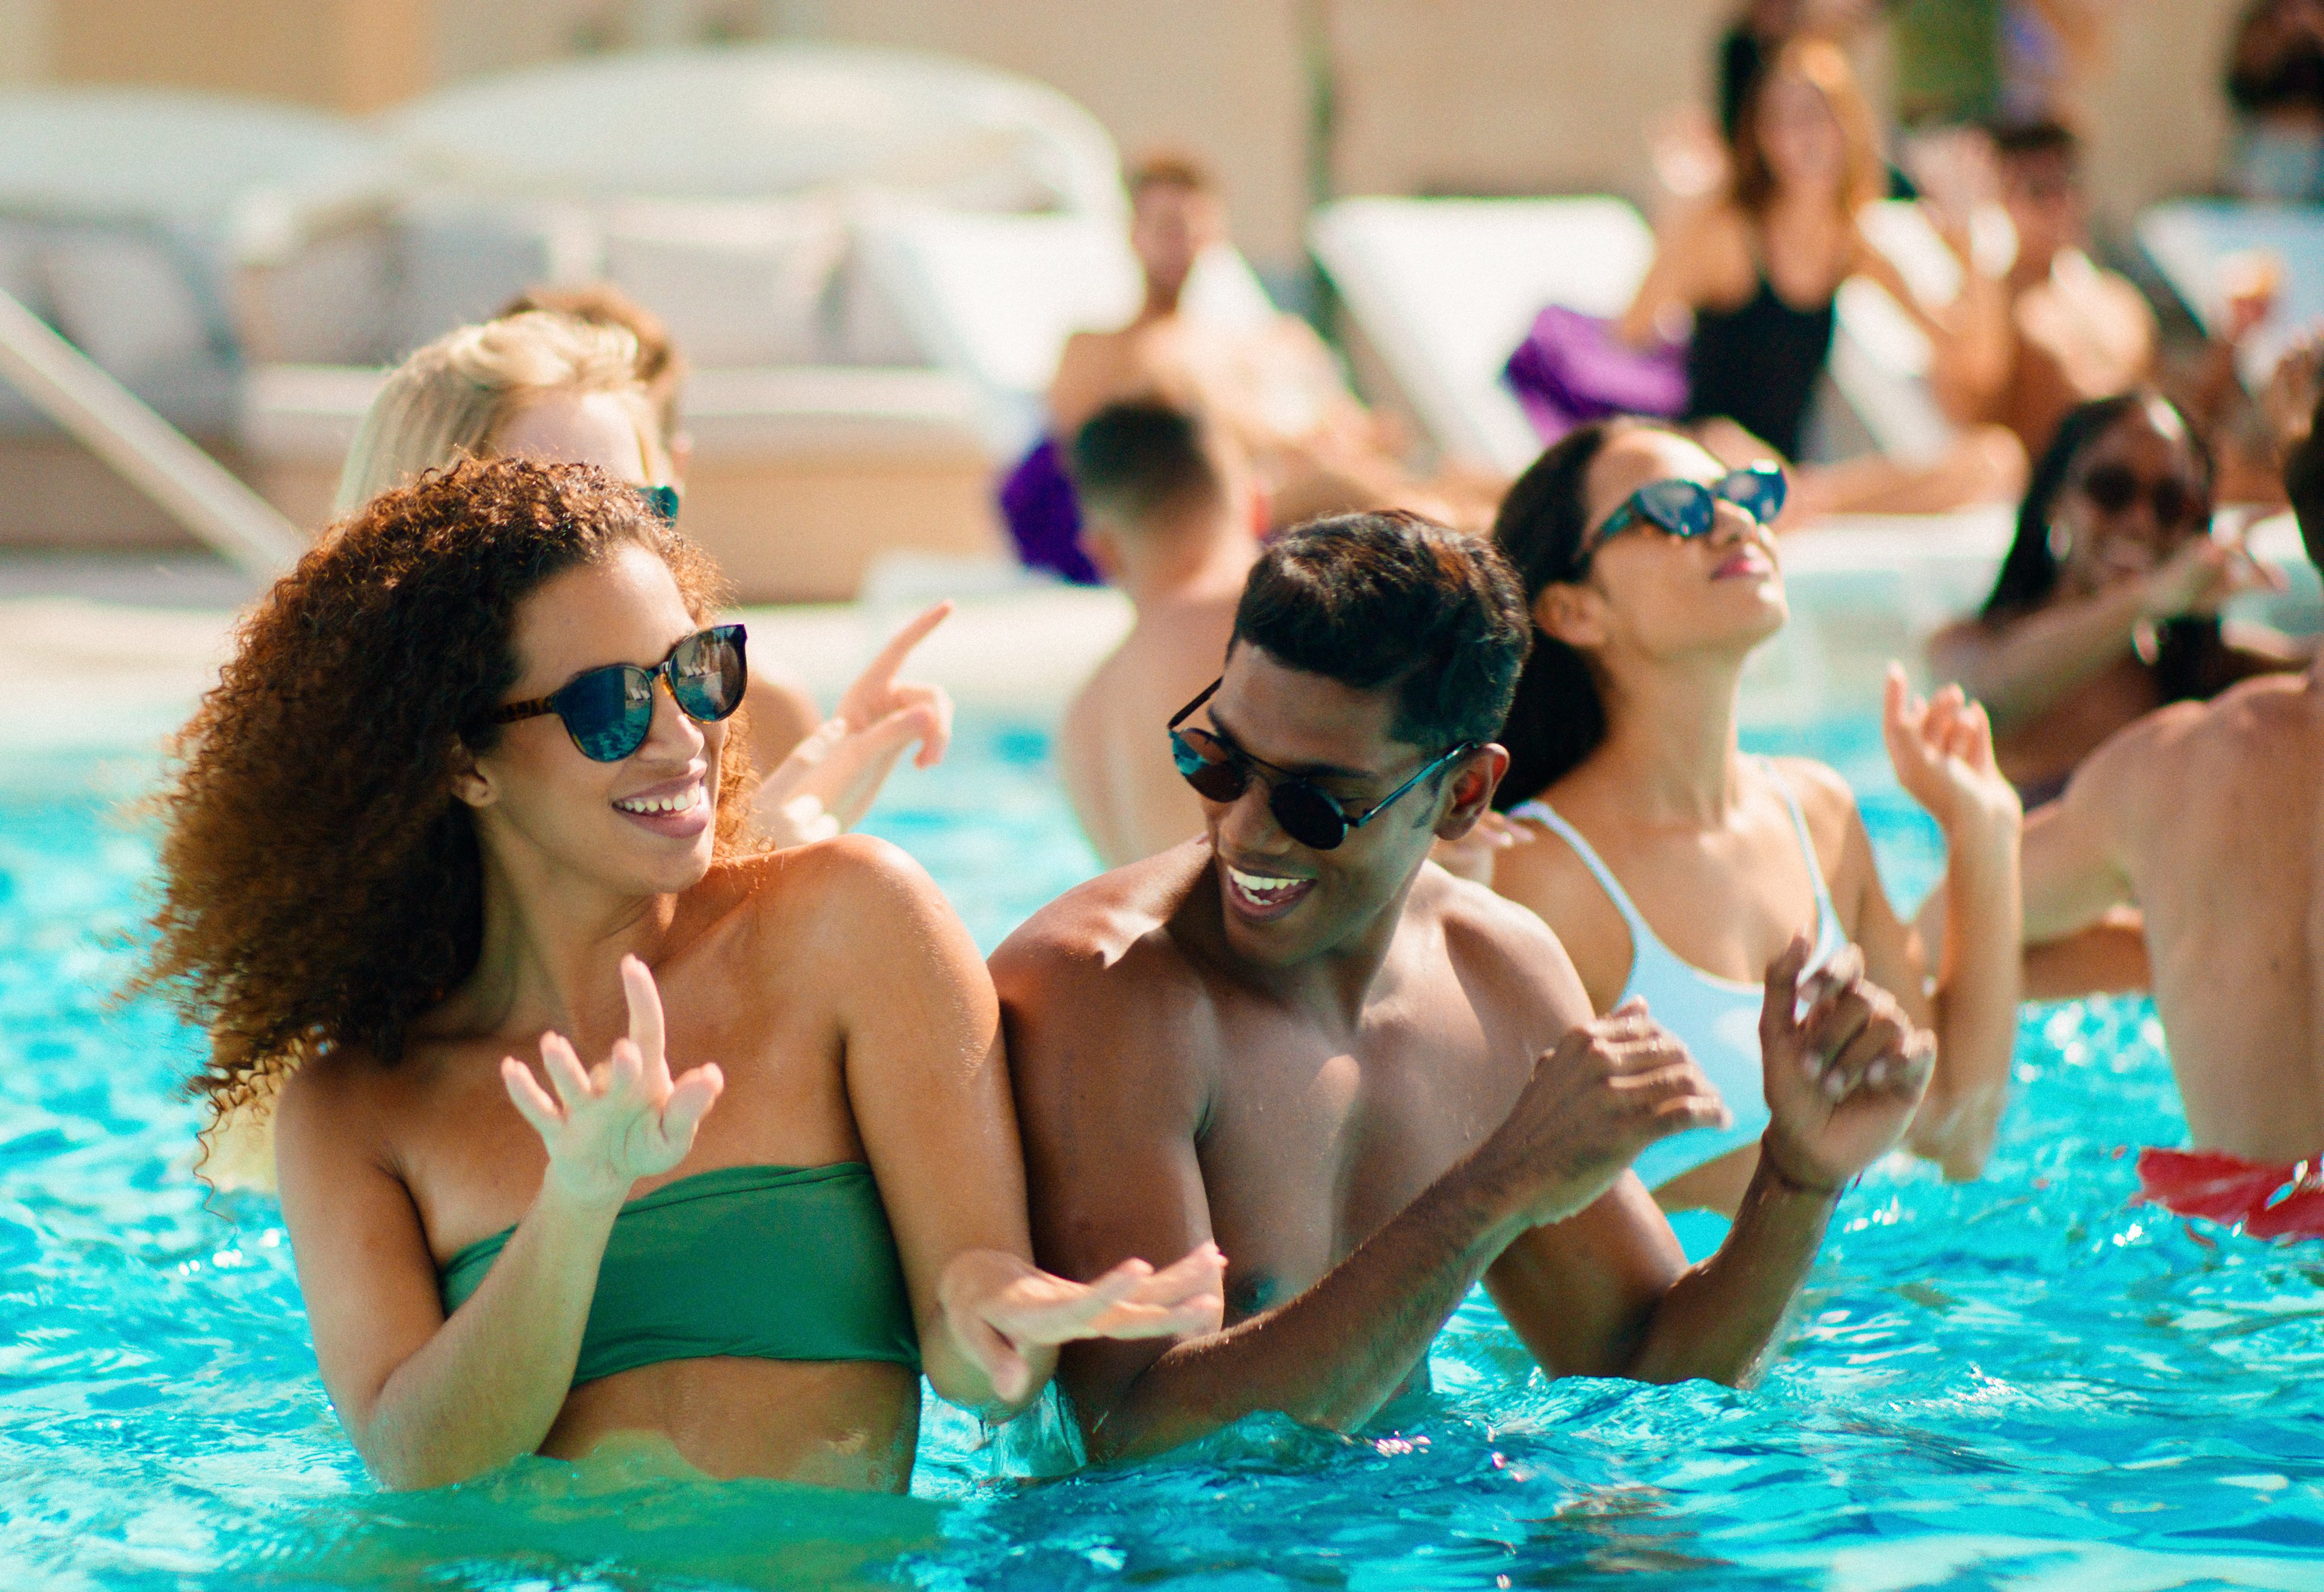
[829, 780]
[998, 1304]
[1941, 748]
[610, 1125]
[2202, 574]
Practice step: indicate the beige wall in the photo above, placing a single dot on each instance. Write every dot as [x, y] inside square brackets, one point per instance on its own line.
[1448, 95]
[1223, 78]
[352, 55]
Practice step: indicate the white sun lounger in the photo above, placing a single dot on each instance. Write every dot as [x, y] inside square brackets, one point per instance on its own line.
[994, 298]
[1445, 289]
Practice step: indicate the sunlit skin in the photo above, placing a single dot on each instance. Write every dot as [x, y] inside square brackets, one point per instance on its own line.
[2206, 817]
[1276, 390]
[2060, 680]
[821, 774]
[728, 1013]
[1702, 839]
[1374, 1085]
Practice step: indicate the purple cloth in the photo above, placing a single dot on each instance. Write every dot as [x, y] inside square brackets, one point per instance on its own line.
[1045, 517]
[1572, 368]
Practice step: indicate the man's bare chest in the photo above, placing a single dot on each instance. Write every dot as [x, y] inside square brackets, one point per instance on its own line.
[1310, 1150]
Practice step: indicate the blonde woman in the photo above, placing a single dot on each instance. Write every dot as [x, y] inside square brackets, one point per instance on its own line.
[563, 390]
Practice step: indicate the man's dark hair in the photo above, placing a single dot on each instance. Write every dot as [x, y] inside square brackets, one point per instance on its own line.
[1133, 461]
[2042, 136]
[2303, 483]
[1383, 600]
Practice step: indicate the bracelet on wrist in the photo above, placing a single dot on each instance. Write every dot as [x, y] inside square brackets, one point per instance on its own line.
[1815, 1191]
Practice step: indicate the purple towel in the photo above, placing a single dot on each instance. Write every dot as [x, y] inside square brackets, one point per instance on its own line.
[1572, 368]
[1045, 517]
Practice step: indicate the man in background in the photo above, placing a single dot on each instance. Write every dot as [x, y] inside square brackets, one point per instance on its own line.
[2210, 818]
[1170, 517]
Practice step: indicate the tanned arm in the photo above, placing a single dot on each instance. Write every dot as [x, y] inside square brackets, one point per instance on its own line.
[1112, 1106]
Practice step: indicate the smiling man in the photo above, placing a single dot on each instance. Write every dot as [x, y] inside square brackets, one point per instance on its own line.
[1374, 1085]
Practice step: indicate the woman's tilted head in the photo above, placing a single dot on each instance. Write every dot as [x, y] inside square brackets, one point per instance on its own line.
[1609, 587]
[339, 796]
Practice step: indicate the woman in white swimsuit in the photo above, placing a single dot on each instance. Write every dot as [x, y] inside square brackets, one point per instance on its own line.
[1674, 867]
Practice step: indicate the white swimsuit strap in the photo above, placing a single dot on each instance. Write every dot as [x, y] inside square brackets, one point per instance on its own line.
[1542, 813]
[1827, 920]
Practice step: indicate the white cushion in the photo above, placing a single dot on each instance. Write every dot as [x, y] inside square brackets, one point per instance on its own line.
[1446, 289]
[125, 302]
[740, 282]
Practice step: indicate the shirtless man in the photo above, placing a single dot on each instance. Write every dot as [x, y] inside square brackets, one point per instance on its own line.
[1375, 1083]
[1275, 388]
[1170, 519]
[2210, 818]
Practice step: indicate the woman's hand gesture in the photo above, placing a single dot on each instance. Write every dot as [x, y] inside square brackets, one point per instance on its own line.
[610, 1125]
[999, 1305]
[829, 780]
[1941, 748]
[2201, 576]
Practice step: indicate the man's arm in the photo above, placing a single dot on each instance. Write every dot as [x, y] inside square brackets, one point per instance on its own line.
[2073, 868]
[1604, 1294]
[1111, 1100]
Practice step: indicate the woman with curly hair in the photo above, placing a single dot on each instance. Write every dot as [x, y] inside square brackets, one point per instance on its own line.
[472, 785]
[561, 387]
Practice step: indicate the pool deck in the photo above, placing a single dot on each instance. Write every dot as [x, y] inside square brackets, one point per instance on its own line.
[108, 653]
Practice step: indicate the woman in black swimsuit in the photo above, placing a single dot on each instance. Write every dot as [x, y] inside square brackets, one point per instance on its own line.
[1757, 268]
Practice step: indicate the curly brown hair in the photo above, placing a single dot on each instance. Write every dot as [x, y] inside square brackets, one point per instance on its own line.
[321, 886]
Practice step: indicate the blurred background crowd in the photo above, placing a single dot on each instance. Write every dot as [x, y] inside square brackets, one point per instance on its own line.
[1391, 245]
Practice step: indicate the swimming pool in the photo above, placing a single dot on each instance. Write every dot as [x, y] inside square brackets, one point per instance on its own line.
[2023, 1382]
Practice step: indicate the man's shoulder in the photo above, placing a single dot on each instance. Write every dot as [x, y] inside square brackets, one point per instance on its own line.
[1482, 929]
[2177, 752]
[1111, 932]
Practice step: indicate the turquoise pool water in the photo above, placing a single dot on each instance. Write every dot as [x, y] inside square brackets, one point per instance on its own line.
[2021, 1382]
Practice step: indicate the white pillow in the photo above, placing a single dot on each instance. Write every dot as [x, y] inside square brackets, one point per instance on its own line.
[125, 302]
[740, 282]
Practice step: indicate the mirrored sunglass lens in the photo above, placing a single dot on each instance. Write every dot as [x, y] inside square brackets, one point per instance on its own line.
[706, 675]
[1682, 508]
[1758, 492]
[1205, 766]
[1308, 815]
[608, 711]
[662, 501]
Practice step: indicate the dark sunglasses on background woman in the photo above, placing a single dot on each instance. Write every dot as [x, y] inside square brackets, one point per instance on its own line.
[609, 711]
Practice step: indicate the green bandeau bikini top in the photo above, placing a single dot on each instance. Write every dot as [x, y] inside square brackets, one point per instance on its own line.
[773, 1263]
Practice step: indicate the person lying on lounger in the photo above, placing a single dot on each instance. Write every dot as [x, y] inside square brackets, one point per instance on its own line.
[1274, 390]
[1373, 1083]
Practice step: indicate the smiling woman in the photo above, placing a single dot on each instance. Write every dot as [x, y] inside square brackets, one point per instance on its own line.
[471, 786]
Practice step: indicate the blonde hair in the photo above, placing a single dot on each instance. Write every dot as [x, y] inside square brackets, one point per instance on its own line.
[448, 401]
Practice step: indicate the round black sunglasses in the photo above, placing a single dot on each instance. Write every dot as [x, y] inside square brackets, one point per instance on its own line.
[609, 711]
[1220, 773]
